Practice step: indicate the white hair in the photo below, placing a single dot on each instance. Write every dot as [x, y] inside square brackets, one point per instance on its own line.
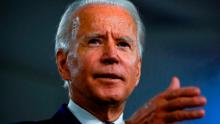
[67, 23]
[63, 36]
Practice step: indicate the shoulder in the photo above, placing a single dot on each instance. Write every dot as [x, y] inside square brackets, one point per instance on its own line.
[62, 116]
[35, 122]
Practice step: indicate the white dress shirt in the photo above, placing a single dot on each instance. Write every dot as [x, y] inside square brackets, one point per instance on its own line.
[87, 118]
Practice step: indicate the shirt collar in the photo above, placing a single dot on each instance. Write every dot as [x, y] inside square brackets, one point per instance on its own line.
[87, 118]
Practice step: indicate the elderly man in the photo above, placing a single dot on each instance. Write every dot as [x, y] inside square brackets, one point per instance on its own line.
[99, 55]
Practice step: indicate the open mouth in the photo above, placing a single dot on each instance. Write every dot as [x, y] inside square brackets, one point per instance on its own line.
[108, 76]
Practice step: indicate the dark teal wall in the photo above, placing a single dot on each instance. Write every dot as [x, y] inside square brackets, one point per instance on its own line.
[183, 39]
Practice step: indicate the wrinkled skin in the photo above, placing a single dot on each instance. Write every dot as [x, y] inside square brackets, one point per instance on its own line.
[103, 63]
[170, 106]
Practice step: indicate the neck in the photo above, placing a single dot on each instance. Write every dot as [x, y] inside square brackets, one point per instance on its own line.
[104, 111]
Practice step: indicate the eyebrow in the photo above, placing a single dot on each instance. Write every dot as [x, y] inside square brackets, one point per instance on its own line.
[126, 38]
[92, 35]
[99, 35]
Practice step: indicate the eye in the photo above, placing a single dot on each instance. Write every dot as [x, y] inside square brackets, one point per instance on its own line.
[94, 42]
[123, 44]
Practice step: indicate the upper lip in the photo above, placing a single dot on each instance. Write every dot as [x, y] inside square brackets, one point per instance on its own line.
[108, 75]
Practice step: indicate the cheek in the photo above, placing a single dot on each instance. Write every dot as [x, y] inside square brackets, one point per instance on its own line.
[78, 65]
[73, 65]
[133, 61]
[79, 71]
[131, 57]
[86, 62]
[129, 60]
[131, 64]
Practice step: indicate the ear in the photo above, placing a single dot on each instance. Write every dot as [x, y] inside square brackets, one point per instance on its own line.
[138, 74]
[61, 59]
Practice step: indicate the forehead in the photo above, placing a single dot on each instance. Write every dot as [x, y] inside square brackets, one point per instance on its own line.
[102, 17]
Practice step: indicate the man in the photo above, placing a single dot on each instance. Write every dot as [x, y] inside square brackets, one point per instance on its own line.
[99, 55]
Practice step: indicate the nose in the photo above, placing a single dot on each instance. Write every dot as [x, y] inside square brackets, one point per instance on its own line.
[110, 55]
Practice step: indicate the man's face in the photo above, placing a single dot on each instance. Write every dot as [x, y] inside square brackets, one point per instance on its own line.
[104, 64]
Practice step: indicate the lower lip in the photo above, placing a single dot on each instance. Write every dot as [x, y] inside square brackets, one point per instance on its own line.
[109, 80]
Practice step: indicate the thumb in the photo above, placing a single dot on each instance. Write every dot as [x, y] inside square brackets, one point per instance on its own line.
[175, 84]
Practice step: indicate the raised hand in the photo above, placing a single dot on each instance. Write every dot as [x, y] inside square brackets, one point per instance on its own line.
[173, 105]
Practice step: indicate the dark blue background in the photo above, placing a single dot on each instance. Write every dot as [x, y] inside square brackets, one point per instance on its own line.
[183, 39]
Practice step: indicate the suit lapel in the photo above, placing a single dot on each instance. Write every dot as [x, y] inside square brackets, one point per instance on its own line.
[64, 116]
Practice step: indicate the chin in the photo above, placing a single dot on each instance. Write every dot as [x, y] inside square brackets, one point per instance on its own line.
[113, 96]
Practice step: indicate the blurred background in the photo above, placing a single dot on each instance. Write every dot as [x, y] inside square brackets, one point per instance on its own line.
[183, 39]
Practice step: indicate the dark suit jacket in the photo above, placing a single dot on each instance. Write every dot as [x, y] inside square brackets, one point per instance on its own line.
[62, 116]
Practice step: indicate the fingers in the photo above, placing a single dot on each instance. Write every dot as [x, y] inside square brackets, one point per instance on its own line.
[182, 92]
[183, 115]
[179, 100]
[175, 84]
[184, 102]
[173, 105]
